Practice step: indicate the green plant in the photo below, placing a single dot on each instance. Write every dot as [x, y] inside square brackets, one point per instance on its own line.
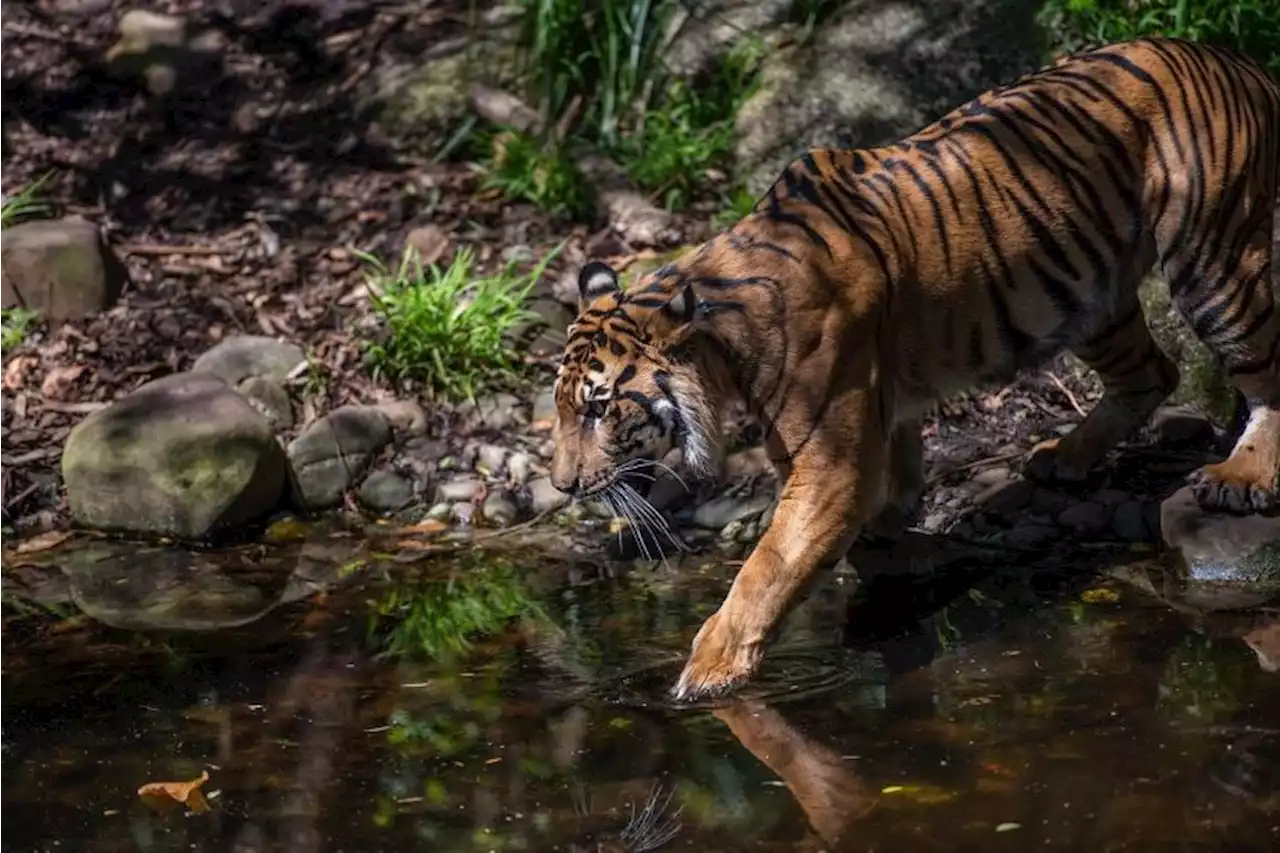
[737, 205]
[525, 169]
[442, 619]
[1249, 26]
[447, 328]
[26, 204]
[15, 323]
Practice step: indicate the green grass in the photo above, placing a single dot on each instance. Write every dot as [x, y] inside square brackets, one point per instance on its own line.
[447, 328]
[14, 325]
[525, 169]
[26, 204]
[1249, 26]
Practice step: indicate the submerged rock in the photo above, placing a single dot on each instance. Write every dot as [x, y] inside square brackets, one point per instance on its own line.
[182, 456]
[1226, 562]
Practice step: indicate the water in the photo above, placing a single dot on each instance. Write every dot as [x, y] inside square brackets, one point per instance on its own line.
[348, 694]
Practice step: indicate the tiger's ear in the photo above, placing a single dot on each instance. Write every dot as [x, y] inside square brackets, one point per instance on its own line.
[596, 280]
[674, 320]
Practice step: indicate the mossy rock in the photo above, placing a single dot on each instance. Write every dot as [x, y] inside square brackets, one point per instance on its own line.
[434, 97]
[1203, 383]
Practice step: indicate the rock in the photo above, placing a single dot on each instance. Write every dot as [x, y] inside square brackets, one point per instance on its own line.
[182, 456]
[719, 25]
[244, 356]
[872, 72]
[544, 333]
[519, 467]
[385, 492]
[1032, 534]
[498, 412]
[544, 409]
[1130, 522]
[463, 490]
[1265, 642]
[996, 476]
[1086, 517]
[1202, 384]
[499, 509]
[1226, 561]
[407, 419]
[160, 49]
[1181, 426]
[491, 459]
[545, 497]
[429, 241]
[331, 454]
[61, 268]
[270, 399]
[1007, 497]
[1110, 498]
[628, 212]
[718, 512]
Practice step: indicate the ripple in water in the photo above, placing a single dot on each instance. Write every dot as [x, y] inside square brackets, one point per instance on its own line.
[786, 675]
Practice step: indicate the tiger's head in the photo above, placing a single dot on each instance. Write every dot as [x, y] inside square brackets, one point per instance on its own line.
[631, 386]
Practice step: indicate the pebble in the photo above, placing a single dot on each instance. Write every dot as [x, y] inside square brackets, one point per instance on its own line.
[993, 476]
[1004, 498]
[491, 458]
[385, 491]
[545, 497]
[499, 509]
[1085, 517]
[463, 490]
[544, 409]
[519, 467]
[718, 512]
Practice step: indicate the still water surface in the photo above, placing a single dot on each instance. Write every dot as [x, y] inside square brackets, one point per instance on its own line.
[344, 698]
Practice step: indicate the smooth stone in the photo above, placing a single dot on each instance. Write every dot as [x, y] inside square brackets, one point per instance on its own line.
[385, 491]
[1225, 561]
[1007, 497]
[334, 452]
[242, 356]
[1086, 517]
[544, 497]
[269, 398]
[499, 509]
[720, 511]
[1130, 522]
[463, 490]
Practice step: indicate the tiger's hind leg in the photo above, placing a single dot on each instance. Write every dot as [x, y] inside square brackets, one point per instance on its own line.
[1236, 317]
[1136, 378]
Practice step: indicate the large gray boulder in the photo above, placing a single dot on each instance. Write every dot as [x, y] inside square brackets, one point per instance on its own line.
[182, 456]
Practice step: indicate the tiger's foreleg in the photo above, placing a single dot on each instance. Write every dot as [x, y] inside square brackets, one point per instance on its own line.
[1136, 378]
[836, 482]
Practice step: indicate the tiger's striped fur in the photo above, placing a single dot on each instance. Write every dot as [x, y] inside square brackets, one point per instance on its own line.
[868, 284]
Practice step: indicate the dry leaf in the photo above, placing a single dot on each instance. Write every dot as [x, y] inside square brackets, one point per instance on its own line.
[60, 379]
[43, 542]
[15, 372]
[161, 794]
[427, 525]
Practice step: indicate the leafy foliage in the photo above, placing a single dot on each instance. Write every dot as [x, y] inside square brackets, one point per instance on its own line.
[14, 325]
[1249, 26]
[447, 328]
[525, 169]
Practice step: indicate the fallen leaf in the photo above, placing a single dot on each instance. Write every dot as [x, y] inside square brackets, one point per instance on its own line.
[60, 379]
[427, 525]
[43, 542]
[1100, 595]
[188, 793]
[15, 372]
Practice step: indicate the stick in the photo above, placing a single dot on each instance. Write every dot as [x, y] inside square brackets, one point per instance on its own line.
[1071, 398]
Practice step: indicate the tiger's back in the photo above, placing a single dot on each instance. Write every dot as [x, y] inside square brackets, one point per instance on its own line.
[868, 284]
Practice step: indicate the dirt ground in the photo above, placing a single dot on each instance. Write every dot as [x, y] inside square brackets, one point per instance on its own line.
[236, 205]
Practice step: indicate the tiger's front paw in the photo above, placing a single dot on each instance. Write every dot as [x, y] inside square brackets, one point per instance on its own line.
[1234, 487]
[719, 661]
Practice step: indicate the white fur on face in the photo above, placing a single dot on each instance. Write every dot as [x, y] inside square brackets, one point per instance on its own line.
[695, 444]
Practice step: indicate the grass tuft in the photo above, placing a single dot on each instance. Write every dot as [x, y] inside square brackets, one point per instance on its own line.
[27, 204]
[448, 328]
[524, 169]
[14, 325]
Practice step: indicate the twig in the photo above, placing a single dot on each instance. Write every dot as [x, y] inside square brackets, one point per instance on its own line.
[515, 528]
[975, 463]
[84, 408]
[20, 496]
[1071, 398]
[156, 249]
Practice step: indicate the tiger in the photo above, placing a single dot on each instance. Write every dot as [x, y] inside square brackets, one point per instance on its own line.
[868, 285]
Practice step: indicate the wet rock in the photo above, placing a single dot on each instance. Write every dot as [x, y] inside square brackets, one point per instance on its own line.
[59, 267]
[385, 492]
[1086, 517]
[1265, 642]
[182, 456]
[544, 497]
[1007, 497]
[1130, 522]
[331, 455]
[1180, 426]
[463, 490]
[720, 511]
[519, 468]
[1226, 561]
[491, 459]
[499, 509]
[270, 399]
[243, 356]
